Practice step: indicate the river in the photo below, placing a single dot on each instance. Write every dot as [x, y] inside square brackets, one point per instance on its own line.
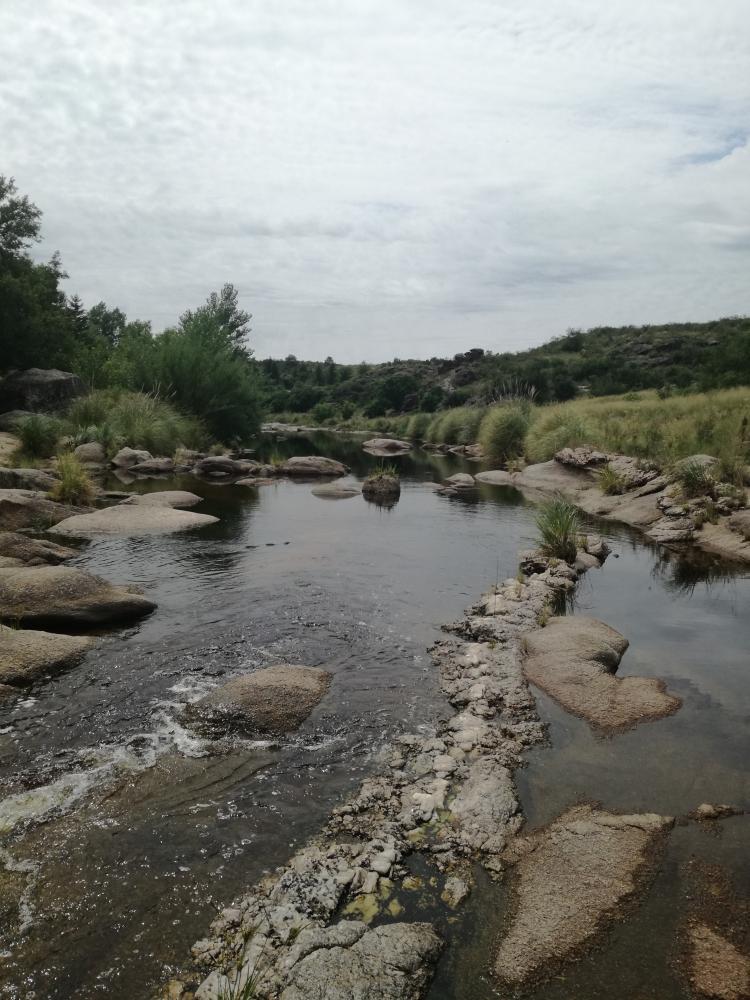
[123, 833]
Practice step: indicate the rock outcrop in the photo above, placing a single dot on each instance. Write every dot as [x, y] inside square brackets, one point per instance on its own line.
[386, 446]
[91, 453]
[154, 467]
[32, 509]
[132, 520]
[382, 489]
[272, 701]
[126, 458]
[32, 551]
[39, 389]
[571, 879]
[574, 659]
[163, 498]
[26, 655]
[26, 479]
[62, 597]
[312, 465]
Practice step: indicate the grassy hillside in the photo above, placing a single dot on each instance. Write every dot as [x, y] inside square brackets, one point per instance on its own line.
[598, 362]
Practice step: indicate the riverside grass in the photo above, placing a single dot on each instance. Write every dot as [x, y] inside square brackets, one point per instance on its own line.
[640, 424]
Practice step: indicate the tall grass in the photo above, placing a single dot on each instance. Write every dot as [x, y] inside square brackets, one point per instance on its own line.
[139, 420]
[39, 435]
[503, 430]
[74, 485]
[558, 524]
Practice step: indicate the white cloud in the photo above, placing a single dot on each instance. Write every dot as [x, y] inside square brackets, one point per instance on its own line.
[389, 178]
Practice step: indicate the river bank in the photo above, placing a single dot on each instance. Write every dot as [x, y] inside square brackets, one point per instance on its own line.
[448, 540]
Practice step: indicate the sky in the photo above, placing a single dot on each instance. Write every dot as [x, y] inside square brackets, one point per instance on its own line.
[400, 178]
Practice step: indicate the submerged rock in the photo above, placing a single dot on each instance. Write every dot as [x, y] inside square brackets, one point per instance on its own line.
[132, 520]
[59, 596]
[32, 551]
[26, 655]
[164, 498]
[572, 878]
[574, 660]
[272, 701]
[336, 491]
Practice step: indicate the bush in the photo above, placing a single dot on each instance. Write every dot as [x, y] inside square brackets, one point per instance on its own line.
[557, 523]
[135, 419]
[39, 435]
[74, 485]
[695, 479]
[459, 425]
[322, 412]
[418, 424]
[503, 430]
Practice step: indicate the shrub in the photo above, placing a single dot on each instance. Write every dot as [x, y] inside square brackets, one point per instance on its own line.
[503, 430]
[135, 419]
[39, 435]
[74, 485]
[418, 425]
[385, 471]
[323, 411]
[558, 525]
[731, 469]
[695, 479]
[610, 482]
[459, 425]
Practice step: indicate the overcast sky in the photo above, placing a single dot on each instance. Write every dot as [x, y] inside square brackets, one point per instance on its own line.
[394, 178]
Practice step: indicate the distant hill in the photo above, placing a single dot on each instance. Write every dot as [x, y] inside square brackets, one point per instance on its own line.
[600, 361]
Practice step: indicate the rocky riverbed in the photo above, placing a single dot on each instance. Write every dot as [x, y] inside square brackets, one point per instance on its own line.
[385, 872]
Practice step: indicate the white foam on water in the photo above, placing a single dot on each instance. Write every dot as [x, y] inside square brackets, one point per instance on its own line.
[31, 870]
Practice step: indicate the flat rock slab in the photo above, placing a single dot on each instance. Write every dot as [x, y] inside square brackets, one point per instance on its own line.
[335, 491]
[26, 655]
[164, 498]
[312, 465]
[132, 520]
[26, 479]
[460, 481]
[386, 446]
[392, 962]
[574, 658]
[717, 968]
[33, 551]
[32, 509]
[573, 877]
[59, 596]
[272, 701]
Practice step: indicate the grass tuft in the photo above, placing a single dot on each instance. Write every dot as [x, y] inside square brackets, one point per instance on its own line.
[39, 435]
[610, 482]
[74, 485]
[558, 526]
[503, 430]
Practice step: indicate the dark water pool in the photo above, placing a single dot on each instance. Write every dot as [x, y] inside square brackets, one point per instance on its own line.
[155, 834]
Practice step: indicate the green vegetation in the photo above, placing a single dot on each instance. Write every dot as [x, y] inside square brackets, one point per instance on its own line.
[695, 478]
[116, 417]
[558, 526]
[203, 366]
[503, 431]
[384, 471]
[39, 435]
[74, 486]
[610, 482]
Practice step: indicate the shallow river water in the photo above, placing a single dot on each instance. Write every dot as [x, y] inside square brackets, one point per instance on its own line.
[122, 834]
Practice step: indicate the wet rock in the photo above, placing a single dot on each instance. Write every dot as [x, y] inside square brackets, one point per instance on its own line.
[26, 479]
[91, 453]
[25, 655]
[126, 458]
[455, 891]
[584, 561]
[39, 389]
[460, 481]
[392, 962]
[59, 596]
[33, 551]
[709, 811]
[154, 467]
[335, 491]
[163, 498]
[132, 520]
[485, 812]
[672, 530]
[574, 659]
[223, 467]
[381, 488]
[272, 701]
[571, 879]
[312, 465]
[386, 446]
[717, 968]
[252, 482]
[32, 509]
